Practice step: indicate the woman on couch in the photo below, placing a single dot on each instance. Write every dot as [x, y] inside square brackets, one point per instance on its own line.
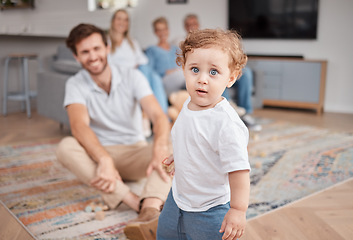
[162, 58]
[126, 52]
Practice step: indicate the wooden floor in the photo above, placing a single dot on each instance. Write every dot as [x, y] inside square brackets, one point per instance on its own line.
[11, 227]
[325, 215]
[334, 121]
[16, 127]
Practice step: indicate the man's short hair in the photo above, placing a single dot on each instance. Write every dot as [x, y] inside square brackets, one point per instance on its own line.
[82, 31]
[189, 16]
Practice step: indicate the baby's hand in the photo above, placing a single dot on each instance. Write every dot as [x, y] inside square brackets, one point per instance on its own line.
[168, 165]
[233, 224]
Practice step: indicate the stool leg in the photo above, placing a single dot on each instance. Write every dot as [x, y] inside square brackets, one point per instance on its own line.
[22, 83]
[6, 79]
[26, 81]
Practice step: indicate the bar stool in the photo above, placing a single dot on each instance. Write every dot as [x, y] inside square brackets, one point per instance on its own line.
[25, 94]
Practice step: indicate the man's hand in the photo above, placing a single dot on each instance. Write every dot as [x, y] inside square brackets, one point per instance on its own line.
[157, 165]
[160, 153]
[233, 224]
[106, 176]
[161, 130]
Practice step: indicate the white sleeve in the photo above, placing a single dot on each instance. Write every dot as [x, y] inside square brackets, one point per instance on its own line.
[233, 142]
[140, 85]
[73, 94]
[141, 58]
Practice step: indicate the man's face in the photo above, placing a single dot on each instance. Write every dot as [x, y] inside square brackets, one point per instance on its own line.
[191, 24]
[92, 54]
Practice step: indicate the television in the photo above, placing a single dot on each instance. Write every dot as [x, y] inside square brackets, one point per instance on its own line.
[274, 19]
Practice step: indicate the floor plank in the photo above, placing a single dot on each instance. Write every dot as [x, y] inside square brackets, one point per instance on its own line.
[324, 215]
[10, 228]
[334, 121]
[16, 127]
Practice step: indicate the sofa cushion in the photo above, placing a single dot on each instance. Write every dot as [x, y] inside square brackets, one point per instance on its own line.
[66, 66]
[64, 52]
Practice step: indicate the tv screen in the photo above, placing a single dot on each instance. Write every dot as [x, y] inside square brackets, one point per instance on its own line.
[274, 19]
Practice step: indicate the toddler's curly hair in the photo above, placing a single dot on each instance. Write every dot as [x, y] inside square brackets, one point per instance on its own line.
[227, 40]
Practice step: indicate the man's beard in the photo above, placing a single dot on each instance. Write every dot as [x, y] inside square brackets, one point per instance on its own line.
[95, 73]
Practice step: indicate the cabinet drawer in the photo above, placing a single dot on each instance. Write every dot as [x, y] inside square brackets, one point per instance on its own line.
[289, 82]
[271, 81]
[266, 67]
[271, 93]
[301, 82]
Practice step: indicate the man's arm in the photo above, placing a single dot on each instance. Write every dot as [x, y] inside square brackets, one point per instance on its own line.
[161, 131]
[106, 175]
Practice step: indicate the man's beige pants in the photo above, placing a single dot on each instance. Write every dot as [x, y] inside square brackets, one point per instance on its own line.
[130, 160]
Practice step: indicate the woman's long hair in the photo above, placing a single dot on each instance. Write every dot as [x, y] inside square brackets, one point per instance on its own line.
[126, 34]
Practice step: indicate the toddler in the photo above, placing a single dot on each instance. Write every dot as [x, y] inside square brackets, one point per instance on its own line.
[210, 191]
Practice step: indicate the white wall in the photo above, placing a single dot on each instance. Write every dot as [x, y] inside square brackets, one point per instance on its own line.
[56, 18]
[211, 13]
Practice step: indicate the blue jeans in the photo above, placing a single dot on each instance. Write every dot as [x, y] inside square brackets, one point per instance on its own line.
[176, 224]
[244, 90]
[156, 84]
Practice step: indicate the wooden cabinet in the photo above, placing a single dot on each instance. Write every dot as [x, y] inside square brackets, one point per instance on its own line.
[294, 83]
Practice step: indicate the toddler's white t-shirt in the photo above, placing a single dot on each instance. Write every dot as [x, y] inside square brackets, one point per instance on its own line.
[207, 145]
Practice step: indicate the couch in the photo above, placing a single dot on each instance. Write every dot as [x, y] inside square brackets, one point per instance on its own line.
[51, 85]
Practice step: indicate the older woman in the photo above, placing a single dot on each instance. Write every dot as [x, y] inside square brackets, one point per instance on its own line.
[162, 58]
[126, 52]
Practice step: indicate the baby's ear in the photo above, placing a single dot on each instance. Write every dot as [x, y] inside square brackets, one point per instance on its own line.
[233, 77]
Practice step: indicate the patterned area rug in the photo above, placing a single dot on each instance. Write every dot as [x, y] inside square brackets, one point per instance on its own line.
[288, 162]
[49, 200]
[291, 161]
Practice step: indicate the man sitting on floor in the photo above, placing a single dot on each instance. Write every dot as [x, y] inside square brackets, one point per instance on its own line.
[108, 147]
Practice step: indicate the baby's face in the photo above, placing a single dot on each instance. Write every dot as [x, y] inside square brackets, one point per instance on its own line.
[207, 74]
